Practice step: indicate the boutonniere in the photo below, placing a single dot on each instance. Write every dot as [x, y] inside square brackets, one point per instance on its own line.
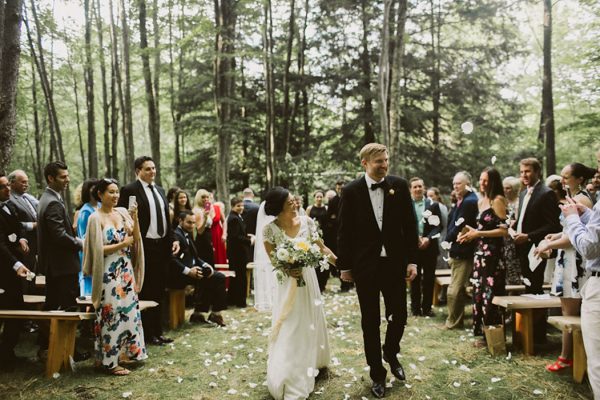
[391, 192]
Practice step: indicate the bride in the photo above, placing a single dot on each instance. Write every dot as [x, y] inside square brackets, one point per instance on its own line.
[298, 346]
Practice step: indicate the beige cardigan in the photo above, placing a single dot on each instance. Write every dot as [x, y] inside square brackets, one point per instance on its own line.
[93, 254]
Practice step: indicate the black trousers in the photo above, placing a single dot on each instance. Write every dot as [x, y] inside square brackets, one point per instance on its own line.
[157, 255]
[209, 293]
[421, 288]
[237, 286]
[388, 280]
[536, 277]
[61, 294]
[11, 299]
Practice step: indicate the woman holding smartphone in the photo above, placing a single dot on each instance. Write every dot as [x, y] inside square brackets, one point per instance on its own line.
[204, 213]
[114, 257]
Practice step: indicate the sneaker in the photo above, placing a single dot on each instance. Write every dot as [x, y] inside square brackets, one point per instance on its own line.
[217, 319]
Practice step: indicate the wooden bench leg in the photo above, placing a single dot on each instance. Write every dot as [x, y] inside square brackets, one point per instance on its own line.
[248, 278]
[436, 294]
[61, 345]
[176, 307]
[523, 332]
[579, 357]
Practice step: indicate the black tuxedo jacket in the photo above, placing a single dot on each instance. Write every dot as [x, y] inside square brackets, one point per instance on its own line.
[10, 234]
[432, 231]
[187, 252]
[24, 214]
[249, 215]
[58, 248]
[136, 189]
[541, 215]
[359, 237]
[238, 242]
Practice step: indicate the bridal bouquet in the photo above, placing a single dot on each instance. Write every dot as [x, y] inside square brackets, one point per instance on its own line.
[297, 253]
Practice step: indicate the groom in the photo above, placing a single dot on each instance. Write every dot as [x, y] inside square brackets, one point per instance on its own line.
[377, 249]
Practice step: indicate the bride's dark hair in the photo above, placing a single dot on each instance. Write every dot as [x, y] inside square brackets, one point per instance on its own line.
[275, 199]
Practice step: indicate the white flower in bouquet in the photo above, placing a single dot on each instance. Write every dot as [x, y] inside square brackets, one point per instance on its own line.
[283, 255]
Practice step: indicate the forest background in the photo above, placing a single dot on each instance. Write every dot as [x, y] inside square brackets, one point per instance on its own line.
[226, 94]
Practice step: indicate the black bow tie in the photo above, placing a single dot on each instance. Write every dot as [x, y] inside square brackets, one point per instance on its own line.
[382, 184]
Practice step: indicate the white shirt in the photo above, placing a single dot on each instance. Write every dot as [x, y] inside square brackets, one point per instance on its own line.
[377, 197]
[153, 227]
[524, 206]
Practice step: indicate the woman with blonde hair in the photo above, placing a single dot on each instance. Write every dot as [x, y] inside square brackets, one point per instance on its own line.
[204, 213]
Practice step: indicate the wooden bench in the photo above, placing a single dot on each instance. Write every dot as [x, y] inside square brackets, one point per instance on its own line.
[177, 300]
[512, 290]
[440, 282]
[63, 329]
[523, 308]
[249, 269]
[573, 324]
[443, 272]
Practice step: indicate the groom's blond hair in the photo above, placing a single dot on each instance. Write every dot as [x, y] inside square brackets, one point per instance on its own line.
[371, 150]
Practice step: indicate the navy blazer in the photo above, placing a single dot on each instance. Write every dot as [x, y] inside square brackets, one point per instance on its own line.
[187, 252]
[467, 210]
[359, 237]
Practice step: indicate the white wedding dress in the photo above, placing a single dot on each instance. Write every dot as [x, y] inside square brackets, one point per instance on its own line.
[300, 346]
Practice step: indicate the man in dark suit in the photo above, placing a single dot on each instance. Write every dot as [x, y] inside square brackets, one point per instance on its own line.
[158, 239]
[429, 220]
[249, 216]
[26, 206]
[461, 254]
[209, 285]
[538, 216]
[330, 232]
[13, 246]
[377, 249]
[238, 250]
[58, 247]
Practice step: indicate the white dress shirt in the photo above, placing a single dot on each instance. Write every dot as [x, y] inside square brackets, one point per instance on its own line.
[377, 197]
[153, 227]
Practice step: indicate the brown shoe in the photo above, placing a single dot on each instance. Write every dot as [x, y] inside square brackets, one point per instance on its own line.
[217, 319]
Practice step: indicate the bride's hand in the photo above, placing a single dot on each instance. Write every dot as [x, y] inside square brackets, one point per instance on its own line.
[295, 272]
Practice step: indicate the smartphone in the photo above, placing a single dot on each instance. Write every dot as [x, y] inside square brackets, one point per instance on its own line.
[132, 202]
[207, 206]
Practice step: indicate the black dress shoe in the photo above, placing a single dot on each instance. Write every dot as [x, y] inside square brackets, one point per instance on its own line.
[198, 318]
[81, 356]
[395, 366]
[378, 389]
[165, 339]
[154, 341]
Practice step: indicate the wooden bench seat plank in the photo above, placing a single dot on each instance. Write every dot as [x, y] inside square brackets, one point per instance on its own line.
[573, 325]
[443, 272]
[523, 302]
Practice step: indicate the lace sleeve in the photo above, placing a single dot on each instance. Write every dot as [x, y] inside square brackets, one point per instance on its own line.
[269, 234]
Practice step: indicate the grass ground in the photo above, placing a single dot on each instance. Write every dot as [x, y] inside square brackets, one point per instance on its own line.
[229, 363]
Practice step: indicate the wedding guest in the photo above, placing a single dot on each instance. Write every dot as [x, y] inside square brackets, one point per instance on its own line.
[181, 201]
[238, 253]
[171, 199]
[219, 233]
[249, 215]
[596, 184]
[26, 206]
[583, 229]
[77, 203]
[488, 266]
[13, 248]
[114, 258]
[511, 187]
[461, 254]
[318, 212]
[158, 243]
[433, 193]
[89, 206]
[568, 275]
[58, 249]
[330, 234]
[429, 223]
[299, 202]
[209, 285]
[204, 213]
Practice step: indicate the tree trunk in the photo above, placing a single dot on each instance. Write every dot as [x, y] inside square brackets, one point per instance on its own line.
[89, 92]
[10, 52]
[435, 77]
[156, 83]
[175, 115]
[224, 81]
[115, 91]
[270, 94]
[286, 76]
[126, 107]
[105, 105]
[384, 74]
[365, 65]
[153, 128]
[396, 92]
[77, 118]
[547, 120]
[38, 171]
[302, 73]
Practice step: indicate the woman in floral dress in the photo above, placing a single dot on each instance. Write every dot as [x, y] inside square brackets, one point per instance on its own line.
[488, 266]
[114, 258]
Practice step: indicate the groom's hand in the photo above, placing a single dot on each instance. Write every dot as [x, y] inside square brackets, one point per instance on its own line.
[411, 272]
[346, 276]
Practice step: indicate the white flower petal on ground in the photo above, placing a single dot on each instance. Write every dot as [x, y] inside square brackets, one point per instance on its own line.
[347, 385]
[494, 379]
[151, 370]
[56, 375]
[388, 385]
[252, 385]
[412, 366]
[463, 367]
[232, 391]
[509, 356]
[456, 384]
[434, 220]
[446, 361]
[421, 358]
[335, 361]
[538, 392]
[418, 378]
[212, 384]
[453, 362]
[367, 368]
[406, 385]
[126, 395]
[459, 221]
[170, 362]
[179, 379]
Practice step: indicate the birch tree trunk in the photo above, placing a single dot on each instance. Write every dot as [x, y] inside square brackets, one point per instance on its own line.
[270, 94]
[126, 107]
[286, 76]
[365, 65]
[105, 105]
[384, 75]
[395, 88]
